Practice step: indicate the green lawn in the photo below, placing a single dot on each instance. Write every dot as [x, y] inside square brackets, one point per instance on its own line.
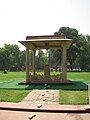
[79, 76]
[12, 95]
[71, 94]
[73, 97]
[12, 76]
[21, 75]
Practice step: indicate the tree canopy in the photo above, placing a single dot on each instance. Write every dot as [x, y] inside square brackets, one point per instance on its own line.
[76, 53]
[11, 58]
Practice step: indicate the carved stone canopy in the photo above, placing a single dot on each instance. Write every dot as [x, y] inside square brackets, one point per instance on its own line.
[46, 42]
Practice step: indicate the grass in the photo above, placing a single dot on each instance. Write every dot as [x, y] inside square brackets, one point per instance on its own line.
[10, 91]
[21, 75]
[79, 76]
[73, 97]
[12, 76]
[12, 95]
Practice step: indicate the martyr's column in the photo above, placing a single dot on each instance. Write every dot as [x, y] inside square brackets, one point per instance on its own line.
[27, 65]
[63, 63]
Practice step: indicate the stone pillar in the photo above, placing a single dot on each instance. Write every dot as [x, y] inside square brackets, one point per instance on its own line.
[34, 51]
[63, 63]
[27, 65]
[47, 72]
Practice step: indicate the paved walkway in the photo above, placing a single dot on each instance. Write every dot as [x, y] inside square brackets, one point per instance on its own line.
[34, 100]
[42, 96]
[14, 115]
[26, 115]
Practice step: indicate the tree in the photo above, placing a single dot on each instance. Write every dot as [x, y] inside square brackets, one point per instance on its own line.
[9, 57]
[22, 60]
[71, 33]
[54, 57]
[41, 60]
[83, 58]
[3, 59]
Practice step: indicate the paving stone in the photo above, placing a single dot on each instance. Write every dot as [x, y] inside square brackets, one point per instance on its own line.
[31, 116]
[39, 105]
[45, 84]
[42, 94]
[44, 99]
[47, 90]
[48, 86]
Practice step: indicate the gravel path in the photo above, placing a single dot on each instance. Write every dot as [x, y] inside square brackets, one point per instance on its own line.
[42, 96]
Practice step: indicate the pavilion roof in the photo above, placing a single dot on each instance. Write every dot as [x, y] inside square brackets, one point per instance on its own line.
[46, 41]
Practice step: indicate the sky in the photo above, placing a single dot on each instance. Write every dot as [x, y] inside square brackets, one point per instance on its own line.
[21, 18]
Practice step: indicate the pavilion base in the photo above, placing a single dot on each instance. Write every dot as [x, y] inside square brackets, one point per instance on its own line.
[68, 82]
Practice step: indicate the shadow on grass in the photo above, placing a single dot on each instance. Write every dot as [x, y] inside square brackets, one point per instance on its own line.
[13, 85]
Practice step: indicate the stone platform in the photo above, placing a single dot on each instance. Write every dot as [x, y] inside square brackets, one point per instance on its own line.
[68, 82]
